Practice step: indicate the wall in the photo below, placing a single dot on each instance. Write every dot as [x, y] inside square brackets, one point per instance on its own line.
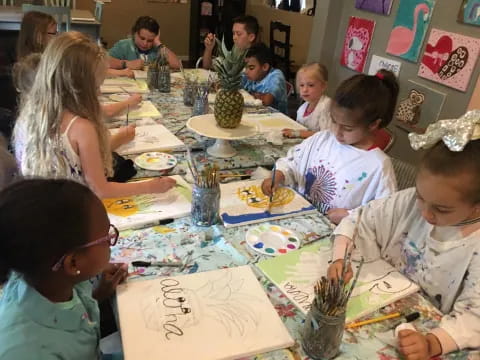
[331, 21]
[301, 27]
[120, 15]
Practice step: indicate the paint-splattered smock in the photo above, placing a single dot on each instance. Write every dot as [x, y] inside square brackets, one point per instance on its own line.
[319, 119]
[441, 260]
[332, 175]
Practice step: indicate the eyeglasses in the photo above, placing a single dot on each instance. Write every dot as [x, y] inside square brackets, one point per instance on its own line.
[111, 239]
[53, 33]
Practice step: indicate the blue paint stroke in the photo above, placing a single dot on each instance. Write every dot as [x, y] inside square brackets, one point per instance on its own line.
[239, 219]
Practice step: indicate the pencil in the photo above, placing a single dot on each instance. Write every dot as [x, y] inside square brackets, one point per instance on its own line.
[374, 320]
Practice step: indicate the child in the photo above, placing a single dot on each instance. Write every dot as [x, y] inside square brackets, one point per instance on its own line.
[262, 80]
[314, 113]
[431, 233]
[36, 30]
[142, 48]
[7, 164]
[62, 117]
[24, 72]
[48, 308]
[245, 33]
[339, 170]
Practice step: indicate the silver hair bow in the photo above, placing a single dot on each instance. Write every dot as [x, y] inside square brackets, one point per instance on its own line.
[455, 133]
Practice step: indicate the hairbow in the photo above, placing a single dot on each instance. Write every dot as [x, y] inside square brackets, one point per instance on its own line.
[380, 75]
[455, 133]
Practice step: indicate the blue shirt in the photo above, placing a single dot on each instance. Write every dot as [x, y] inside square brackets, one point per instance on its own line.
[34, 328]
[127, 50]
[273, 83]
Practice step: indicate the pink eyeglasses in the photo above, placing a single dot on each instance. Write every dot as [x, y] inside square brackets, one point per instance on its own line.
[111, 239]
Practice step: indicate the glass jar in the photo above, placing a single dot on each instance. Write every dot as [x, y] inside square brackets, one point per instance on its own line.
[322, 334]
[205, 205]
[152, 78]
[164, 79]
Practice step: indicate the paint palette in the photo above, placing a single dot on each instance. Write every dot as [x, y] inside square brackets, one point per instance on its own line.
[156, 161]
[272, 240]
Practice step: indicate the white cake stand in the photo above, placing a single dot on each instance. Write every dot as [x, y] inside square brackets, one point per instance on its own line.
[206, 125]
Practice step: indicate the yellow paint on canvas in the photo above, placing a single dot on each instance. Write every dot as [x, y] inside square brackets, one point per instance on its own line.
[254, 197]
[163, 229]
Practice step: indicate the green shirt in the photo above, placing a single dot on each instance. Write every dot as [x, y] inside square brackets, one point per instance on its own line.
[127, 50]
[34, 328]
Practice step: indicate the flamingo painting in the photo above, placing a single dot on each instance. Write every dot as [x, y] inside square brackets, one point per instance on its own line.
[409, 28]
[470, 12]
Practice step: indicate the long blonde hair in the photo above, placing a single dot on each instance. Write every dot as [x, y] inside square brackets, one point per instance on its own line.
[33, 36]
[65, 81]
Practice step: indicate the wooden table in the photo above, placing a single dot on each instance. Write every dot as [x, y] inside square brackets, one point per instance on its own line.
[82, 20]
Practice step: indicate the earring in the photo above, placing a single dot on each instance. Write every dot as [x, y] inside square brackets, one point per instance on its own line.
[78, 272]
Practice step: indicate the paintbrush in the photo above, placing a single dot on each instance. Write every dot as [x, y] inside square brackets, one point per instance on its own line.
[272, 187]
[128, 112]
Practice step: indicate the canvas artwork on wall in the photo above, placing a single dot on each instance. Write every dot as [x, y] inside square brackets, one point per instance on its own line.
[449, 59]
[418, 107]
[409, 28]
[377, 6]
[470, 12]
[357, 42]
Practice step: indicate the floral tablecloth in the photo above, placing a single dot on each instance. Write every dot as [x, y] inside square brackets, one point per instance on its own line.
[203, 249]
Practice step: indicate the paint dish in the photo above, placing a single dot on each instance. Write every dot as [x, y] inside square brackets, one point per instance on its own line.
[156, 161]
[272, 240]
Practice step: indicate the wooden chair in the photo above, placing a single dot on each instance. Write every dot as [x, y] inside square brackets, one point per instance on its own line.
[60, 13]
[8, 2]
[98, 10]
[384, 139]
[290, 88]
[281, 49]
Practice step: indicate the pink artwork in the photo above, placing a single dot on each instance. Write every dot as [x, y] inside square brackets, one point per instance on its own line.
[357, 42]
[449, 59]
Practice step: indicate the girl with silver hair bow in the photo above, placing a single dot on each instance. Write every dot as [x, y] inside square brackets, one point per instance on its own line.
[431, 233]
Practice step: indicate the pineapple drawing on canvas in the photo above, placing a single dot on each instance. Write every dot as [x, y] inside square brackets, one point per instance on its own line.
[228, 107]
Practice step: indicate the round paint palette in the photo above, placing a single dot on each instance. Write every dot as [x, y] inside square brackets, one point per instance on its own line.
[156, 161]
[272, 240]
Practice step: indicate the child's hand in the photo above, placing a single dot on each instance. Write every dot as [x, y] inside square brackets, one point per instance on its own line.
[209, 41]
[125, 134]
[134, 100]
[336, 215]
[135, 64]
[161, 184]
[416, 346]
[267, 183]
[335, 271]
[113, 275]
[157, 41]
[126, 72]
[288, 133]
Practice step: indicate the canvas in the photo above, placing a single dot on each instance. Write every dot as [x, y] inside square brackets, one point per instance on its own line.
[272, 122]
[212, 315]
[131, 212]
[469, 12]
[449, 59]
[123, 85]
[357, 42]
[409, 28]
[378, 63]
[146, 109]
[377, 6]
[243, 202]
[295, 273]
[418, 107]
[150, 138]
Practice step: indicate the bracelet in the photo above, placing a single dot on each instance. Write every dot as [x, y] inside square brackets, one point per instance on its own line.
[124, 64]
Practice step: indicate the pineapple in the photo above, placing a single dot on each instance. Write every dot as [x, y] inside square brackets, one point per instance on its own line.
[228, 107]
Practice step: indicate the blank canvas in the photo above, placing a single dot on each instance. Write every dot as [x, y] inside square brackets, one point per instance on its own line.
[213, 315]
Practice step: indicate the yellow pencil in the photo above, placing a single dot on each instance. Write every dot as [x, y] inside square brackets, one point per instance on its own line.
[374, 320]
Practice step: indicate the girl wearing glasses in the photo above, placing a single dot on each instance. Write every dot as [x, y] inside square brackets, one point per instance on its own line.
[36, 30]
[48, 307]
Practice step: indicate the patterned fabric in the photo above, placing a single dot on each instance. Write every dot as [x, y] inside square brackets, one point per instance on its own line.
[273, 83]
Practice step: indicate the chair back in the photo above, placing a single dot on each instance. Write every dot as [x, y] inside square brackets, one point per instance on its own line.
[405, 173]
[8, 2]
[60, 13]
[199, 61]
[384, 139]
[281, 49]
[66, 3]
[290, 88]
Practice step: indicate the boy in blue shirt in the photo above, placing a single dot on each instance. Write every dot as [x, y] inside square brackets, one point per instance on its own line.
[262, 80]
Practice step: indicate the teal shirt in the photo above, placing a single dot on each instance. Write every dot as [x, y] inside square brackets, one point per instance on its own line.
[273, 83]
[34, 328]
[127, 50]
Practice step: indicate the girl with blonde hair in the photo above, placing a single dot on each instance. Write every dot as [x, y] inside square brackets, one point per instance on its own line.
[62, 117]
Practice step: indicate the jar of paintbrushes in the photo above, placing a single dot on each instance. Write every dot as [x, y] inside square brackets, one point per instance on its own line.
[200, 104]
[325, 322]
[205, 193]
[158, 75]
